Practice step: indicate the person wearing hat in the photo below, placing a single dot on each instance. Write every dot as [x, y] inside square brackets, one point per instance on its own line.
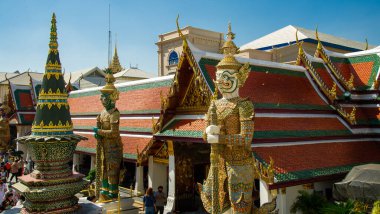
[109, 153]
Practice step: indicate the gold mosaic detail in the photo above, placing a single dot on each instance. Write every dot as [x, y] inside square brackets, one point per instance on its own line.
[51, 104]
[42, 127]
[52, 95]
[55, 74]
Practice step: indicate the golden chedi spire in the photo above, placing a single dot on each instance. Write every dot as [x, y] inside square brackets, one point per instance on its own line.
[229, 50]
[115, 65]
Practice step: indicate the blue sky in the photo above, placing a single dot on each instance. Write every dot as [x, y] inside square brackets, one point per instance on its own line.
[83, 26]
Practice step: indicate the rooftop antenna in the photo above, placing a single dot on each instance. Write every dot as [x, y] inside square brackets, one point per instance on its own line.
[109, 35]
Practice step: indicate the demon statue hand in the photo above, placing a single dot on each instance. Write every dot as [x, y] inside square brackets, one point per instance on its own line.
[109, 150]
[5, 134]
[229, 184]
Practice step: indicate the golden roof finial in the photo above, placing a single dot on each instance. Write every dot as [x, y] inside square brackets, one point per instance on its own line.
[110, 88]
[319, 46]
[316, 33]
[297, 41]
[230, 35]
[366, 44]
[229, 50]
[180, 32]
[300, 50]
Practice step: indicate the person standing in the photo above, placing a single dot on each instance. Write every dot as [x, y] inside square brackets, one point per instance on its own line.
[21, 167]
[7, 167]
[3, 175]
[149, 202]
[14, 171]
[160, 198]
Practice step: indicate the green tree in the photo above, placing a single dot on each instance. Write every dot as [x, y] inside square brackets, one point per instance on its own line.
[308, 203]
[91, 175]
[339, 208]
[376, 207]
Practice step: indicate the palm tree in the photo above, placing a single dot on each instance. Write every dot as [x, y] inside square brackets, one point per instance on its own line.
[339, 208]
[308, 203]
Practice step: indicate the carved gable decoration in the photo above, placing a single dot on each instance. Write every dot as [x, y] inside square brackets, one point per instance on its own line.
[197, 96]
[162, 155]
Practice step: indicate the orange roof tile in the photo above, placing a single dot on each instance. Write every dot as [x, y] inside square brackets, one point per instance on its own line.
[133, 101]
[272, 86]
[326, 77]
[129, 143]
[315, 156]
[277, 124]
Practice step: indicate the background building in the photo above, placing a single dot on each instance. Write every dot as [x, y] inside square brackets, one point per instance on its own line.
[170, 46]
[278, 46]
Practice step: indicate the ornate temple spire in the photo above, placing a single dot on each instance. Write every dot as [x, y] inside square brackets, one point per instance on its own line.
[115, 65]
[52, 113]
[229, 50]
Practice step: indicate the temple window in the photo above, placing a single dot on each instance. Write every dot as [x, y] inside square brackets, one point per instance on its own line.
[173, 58]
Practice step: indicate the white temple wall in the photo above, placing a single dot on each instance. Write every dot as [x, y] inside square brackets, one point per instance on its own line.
[265, 194]
[291, 195]
[139, 185]
[157, 174]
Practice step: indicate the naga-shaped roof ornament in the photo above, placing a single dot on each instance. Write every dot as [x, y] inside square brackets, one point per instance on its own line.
[366, 44]
[319, 46]
[300, 49]
[180, 32]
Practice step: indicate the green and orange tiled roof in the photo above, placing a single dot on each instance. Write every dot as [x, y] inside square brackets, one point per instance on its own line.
[364, 68]
[191, 128]
[133, 99]
[314, 160]
[321, 69]
[127, 125]
[273, 88]
[22, 103]
[368, 116]
[130, 145]
[266, 128]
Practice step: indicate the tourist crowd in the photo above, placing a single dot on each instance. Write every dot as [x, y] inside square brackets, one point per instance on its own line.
[154, 202]
[10, 170]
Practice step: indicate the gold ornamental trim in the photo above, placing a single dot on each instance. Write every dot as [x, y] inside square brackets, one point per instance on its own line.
[347, 84]
[53, 95]
[52, 126]
[350, 117]
[51, 104]
[55, 74]
[160, 160]
[264, 173]
[302, 58]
